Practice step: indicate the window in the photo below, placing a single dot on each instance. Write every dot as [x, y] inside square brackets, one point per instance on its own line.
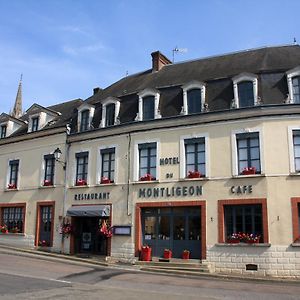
[246, 219]
[193, 97]
[148, 105]
[245, 90]
[246, 96]
[13, 219]
[84, 124]
[82, 168]
[49, 170]
[296, 89]
[248, 153]
[107, 165]
[110, 115]
[195, 157]
[296, 219]
[3, 131]
[13, 174]
[147, 161]
[34, 124]
[194, 101]
[296, 146]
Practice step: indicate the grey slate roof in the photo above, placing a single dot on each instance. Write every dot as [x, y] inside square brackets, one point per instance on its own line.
[269, 63]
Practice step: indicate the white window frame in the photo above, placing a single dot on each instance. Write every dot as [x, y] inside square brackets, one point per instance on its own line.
[191, 86]
[182, 153]
[99, 162]
[82, 108]
[43, 166]
[31, 117]
[290, 75]
[245, 77]
[74, 167]
[291, 148]
[146, 93]
[234, 152]
[4, 124]
[136, 163]
[107, 101]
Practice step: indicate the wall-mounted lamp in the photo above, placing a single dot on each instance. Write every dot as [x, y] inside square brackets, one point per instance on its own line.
[57, 155]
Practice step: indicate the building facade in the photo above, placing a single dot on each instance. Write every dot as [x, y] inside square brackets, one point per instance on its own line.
[200, 156]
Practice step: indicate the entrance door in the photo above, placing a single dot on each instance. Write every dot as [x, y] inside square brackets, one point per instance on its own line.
[176, 228]
[88, 239]
[45, 226]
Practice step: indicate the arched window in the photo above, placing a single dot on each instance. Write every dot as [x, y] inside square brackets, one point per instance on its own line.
[148, 105]
[85, 116]
[245, 90]
[110, 112]
[193, 97]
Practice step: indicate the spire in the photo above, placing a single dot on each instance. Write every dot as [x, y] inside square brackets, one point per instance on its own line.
[17, 110]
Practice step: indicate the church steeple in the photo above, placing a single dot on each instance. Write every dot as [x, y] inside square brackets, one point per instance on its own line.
[17, 110]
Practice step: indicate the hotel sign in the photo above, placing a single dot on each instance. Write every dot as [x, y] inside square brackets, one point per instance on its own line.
[167, 192]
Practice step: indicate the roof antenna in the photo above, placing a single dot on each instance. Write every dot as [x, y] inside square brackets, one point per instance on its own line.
[295, 41]
[178, 50]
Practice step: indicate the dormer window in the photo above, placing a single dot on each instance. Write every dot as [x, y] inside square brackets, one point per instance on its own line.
[148, 105]
[110, 112]
[85, 116]
[3, 131]
[193, 97]
[245, 90]
[293, 78]
[84, 125]
[34, 124]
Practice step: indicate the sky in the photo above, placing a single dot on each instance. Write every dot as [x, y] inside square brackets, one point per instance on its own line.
[65, 48]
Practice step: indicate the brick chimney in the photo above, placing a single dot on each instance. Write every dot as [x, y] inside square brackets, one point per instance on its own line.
[96, 90]
[159, 61]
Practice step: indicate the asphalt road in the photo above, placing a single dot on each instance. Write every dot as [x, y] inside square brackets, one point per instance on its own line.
[23, 277]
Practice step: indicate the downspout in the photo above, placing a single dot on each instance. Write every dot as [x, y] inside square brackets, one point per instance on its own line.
[128, 175]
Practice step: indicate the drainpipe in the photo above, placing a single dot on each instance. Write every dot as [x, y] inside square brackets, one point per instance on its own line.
[128, 175]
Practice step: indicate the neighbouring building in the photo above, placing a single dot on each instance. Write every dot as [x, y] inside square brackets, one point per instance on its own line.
[201, 155]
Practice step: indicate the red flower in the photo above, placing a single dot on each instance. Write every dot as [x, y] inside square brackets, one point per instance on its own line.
[12, 186]
[81, 182]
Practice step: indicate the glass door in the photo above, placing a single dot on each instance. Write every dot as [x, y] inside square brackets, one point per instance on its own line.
[45, 226]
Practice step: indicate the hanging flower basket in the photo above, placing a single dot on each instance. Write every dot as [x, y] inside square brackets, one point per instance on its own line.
[66, 229]
[105, 230]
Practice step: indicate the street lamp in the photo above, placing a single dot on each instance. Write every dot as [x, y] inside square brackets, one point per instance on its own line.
[57, 155]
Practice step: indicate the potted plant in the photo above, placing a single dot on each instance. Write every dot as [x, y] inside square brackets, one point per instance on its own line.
[47, 182]
[252, 238]
[185, 254]
[194, 174]
[147, 177]
[105, 180]
[44, 243]
[146, 253]
[167, 254]
[81, 182]
[234, 238]
[249, 171]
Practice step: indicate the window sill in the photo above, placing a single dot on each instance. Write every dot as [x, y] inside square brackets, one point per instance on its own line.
[145, 182]
[11, 190]
[295, 174]
[46, 186]
[12, 234]
[243, 245]
[295, 244]
[194, 179]
[105, 184]
[248, 176]
[79, 186]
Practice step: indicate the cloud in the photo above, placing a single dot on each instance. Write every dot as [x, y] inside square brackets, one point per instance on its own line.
[71, 50]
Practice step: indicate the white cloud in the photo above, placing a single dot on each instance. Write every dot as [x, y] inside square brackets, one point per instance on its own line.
[71, 50]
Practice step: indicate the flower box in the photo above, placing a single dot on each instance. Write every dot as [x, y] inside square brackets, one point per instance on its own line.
[48, 183]
[194, 174]
[167, 254]
[12, 186]
[81, 182]
[147, 177]
[233, 241]
[3, 229]
[105, 180]
[249, 171]
[186, 254]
